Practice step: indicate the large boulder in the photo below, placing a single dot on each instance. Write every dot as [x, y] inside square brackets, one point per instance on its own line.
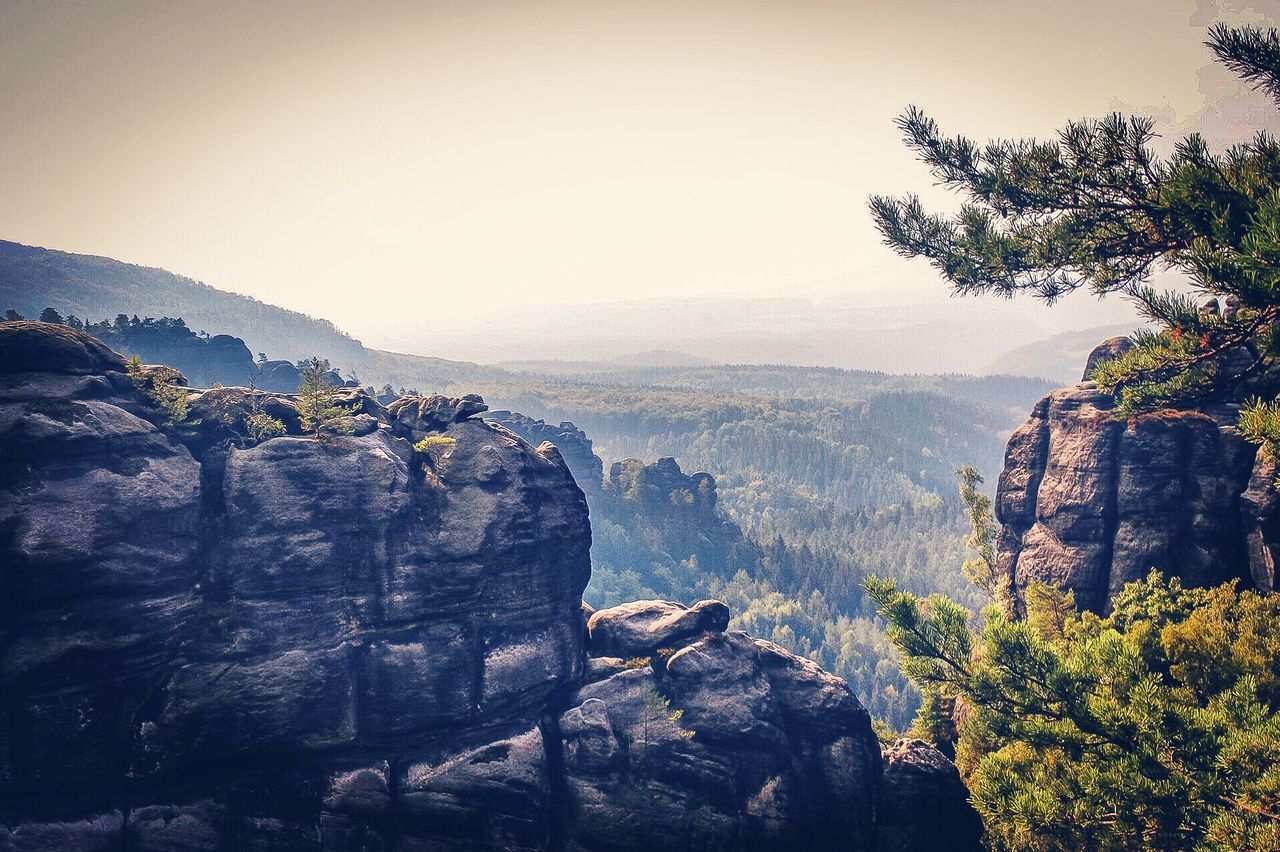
[1107, 350]
[725, 743]
[419, 416]
[27, 347]
[640, 628]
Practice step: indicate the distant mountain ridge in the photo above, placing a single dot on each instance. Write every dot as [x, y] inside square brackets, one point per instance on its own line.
[92, 287]
[1060, 357]
[95, 288]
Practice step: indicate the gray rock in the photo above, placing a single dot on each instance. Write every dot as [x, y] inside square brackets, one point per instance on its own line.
[640, 628]
[419, 416]
[88, 834]
[1090, 502]
[1107, 350]
[342, 644]
[494, 796]
[573, 443]
[38, 347]
[727, 739]
[1260, 511]
[920, 780]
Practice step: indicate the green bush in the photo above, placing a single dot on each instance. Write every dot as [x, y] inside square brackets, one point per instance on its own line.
[161, 385]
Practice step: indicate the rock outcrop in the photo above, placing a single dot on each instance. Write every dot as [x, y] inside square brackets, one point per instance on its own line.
[573, 443]
[1108, 349]
[641, 628]
[919, 779]
[208, 642]
[658, 515]
[426, 415]
[719, 741]
[1089, 501]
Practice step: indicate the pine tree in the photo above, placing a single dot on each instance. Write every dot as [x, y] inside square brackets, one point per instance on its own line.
[317, 401]
[1097, 208]
[1155, 728]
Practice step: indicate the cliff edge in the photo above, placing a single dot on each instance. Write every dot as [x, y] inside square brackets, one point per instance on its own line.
[214, 642]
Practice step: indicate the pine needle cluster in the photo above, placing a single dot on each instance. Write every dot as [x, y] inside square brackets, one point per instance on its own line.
[1097, 208]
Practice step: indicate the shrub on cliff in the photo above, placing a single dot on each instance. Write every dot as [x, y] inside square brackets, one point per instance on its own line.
[317, 402]
[161, 385]
[1098, 208]
[1157, 727]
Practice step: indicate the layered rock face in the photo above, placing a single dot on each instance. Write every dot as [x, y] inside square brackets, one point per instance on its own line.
[573, 443]
[254, 639]
[1090, 502]
[207, 643]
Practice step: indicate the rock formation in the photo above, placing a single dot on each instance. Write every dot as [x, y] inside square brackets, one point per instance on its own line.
[1089, 501]
[212, 643]
[573, 443]
[425, 415]
[919, 779]
[659, 515]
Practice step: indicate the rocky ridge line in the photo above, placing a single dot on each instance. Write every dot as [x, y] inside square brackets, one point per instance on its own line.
[212, 643]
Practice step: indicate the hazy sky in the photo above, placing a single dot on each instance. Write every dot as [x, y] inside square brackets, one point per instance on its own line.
[379, 161]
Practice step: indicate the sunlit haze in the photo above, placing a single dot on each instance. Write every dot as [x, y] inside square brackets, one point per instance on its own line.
[401, 166]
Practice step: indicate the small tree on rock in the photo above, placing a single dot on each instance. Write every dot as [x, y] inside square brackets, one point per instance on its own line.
[318, 401]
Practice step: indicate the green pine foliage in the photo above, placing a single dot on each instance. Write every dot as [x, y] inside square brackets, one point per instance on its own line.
[162, 386]
[1096, 208]
[263, 427]
[981, 570]
[1157, 727]
[317, 403]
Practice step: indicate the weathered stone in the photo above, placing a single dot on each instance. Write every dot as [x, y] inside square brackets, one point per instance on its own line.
[1089, 502]
[737, 739]
[920, 781]
[1107, 350]
[494, 796]
[573, 443]
[640, 628]
[38, 347]
[1260, 508]
[419, 416]
[95, 833]
[346, 644]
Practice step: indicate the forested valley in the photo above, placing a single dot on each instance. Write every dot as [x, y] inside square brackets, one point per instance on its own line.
[821, 478]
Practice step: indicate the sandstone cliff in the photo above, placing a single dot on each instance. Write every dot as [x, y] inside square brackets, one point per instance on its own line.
[1089, 501]
[212, 643]
[572, 442]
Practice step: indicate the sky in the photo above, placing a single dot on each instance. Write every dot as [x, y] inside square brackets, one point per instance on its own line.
[383, 163]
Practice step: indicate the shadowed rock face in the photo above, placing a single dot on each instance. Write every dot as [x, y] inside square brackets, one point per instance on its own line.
[177, 609]
[573, 443]
[718, 741]
[207, 643]
[919, 779]
[1090, 502]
